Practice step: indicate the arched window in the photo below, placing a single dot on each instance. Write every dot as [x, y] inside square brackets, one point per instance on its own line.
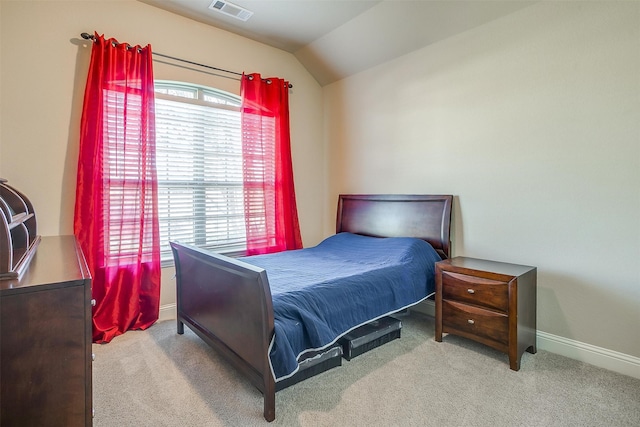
[199, 164]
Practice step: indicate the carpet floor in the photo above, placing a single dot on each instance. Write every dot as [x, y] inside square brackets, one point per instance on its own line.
[159, 378]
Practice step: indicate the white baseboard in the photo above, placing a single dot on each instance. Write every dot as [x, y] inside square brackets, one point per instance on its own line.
[597, 356]
[167, 312]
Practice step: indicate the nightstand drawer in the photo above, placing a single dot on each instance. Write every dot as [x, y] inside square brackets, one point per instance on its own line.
[475, 290]
[476, 321]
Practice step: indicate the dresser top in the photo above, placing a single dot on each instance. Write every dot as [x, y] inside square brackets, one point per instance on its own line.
[487, 266]
[58, 261]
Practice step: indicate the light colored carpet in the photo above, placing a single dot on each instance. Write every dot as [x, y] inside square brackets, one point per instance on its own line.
[159, 378]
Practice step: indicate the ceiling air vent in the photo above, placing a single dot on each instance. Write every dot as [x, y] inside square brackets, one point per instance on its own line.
[231, 9]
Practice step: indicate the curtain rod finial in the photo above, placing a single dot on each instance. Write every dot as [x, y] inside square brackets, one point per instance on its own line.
[86, 36]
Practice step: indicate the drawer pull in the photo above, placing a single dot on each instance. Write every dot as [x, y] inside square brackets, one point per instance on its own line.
[471, 291]
[471, 321]
[93, 356]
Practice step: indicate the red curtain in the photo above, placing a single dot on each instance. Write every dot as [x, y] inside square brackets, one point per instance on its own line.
[116, 209]
[269, 196]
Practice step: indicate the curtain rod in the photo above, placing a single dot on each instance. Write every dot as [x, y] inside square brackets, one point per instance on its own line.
[88, 36]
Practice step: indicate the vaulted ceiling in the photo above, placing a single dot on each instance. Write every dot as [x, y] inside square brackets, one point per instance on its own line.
[334, 39]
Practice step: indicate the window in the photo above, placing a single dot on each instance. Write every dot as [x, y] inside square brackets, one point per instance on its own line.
[199, 164]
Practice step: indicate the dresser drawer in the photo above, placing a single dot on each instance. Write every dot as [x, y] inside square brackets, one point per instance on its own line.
[476, 321]
[475, 290]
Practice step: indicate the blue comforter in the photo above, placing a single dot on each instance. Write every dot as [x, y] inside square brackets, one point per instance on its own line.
[323, 292]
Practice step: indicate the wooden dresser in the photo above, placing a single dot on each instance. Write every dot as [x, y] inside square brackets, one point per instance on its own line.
[490, 302]
[45, 339]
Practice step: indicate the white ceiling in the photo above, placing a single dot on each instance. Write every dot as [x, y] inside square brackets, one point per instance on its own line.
[334, 39]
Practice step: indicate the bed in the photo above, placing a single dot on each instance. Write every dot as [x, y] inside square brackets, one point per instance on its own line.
[246, 308]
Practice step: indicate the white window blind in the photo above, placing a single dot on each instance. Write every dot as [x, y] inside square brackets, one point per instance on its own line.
[126, 165]
[199, 166]
[260, 185]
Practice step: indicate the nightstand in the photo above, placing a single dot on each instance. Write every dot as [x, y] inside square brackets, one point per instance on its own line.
[490, 302]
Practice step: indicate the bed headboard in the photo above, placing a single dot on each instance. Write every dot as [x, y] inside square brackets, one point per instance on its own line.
[395, 215]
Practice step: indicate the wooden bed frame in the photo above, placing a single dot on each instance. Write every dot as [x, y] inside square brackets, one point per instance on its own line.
[228, 304]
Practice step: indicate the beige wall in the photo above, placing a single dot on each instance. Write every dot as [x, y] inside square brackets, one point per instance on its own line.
[44, 67]
[533, 123]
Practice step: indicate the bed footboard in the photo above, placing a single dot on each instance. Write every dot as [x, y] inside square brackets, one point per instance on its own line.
[227, 303]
